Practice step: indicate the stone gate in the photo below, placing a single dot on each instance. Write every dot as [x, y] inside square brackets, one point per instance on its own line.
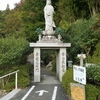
[47, 40]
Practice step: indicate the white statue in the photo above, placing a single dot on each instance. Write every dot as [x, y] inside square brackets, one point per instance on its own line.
[48, 14]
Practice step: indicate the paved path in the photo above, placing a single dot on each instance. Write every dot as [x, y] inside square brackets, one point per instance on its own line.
[48, 89]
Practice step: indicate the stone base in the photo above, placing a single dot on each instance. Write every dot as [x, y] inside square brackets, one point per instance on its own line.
[49, 39]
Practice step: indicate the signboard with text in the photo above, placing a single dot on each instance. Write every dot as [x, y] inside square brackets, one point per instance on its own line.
[79, 74]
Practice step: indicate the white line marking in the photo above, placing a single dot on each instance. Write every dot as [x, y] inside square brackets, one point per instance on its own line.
[30, 90]
[54, 93]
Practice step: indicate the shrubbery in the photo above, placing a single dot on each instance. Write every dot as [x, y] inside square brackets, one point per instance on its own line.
[93, 74]
[11, 51]
[91, 90]
[66, 79]
[95, 58]
[23, 78]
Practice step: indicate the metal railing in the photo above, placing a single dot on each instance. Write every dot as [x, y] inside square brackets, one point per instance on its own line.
[16, 77]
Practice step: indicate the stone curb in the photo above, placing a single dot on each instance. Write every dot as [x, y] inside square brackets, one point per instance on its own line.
[10, 95]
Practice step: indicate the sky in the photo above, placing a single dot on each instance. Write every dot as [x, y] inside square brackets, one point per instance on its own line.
[3, 3]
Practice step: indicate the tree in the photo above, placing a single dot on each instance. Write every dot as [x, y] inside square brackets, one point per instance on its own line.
[83, 36]
[93, 6]
[33, 17]
[11, 50]
[1, 24]
[95, 58]
[13, 22]
[19, 5]
[71, 10]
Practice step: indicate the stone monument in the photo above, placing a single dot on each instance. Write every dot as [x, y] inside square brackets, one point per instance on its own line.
[81, 57]
[48, 15]
[47, 40]
[48, 33]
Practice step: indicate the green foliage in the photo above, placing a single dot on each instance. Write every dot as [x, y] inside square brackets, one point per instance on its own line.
[84, 36]
[95, 58]
[1, 24]
[71, 10]
[64, 25]
[11, 50]
[23, 78]
[54, 65]
[91, 90]
[9, 87]
[48, 55]
[13, 22]
[93, 74]
[67, 79]
[31, 19]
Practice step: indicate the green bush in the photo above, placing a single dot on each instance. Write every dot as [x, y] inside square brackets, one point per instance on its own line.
[23, 82]
[96, 54]
[91, 90]
[9, 87]
[23, 78]
[67, 79]
[11, 51]
[93, 74]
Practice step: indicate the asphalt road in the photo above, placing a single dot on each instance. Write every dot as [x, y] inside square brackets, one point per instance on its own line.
[48, 89]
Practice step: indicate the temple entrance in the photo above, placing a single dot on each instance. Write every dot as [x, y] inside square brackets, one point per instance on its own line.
[48, 65]
[47, 40]
[60, 58]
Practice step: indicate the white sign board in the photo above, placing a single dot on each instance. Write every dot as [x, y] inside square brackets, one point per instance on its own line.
[79, 74]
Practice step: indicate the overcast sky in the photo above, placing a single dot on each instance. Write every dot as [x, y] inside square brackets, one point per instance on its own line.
[3, 3]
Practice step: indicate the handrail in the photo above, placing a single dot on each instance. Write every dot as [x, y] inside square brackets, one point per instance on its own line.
[15, 72]
[9, 74]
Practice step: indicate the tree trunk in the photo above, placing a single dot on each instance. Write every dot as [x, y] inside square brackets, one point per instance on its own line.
[89, 7]
[93, 10]
[7, 80]
[3, 83]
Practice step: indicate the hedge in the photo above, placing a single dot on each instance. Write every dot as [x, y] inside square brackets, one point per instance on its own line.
[91, 90]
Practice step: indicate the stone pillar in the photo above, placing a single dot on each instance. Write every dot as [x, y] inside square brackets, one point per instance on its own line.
[57, 63]
[81, 57]
[36, 64]
[62, 63]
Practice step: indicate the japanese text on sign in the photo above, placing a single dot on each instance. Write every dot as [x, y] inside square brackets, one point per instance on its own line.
[63, 63]
[79, 74]
[37, 62]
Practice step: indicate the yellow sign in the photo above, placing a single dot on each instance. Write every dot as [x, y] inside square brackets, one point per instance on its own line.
[77, 91]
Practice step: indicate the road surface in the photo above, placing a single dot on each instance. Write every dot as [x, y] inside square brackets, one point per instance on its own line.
[48, 89]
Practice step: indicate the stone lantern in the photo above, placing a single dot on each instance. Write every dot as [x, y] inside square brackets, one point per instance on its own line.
[81, 57]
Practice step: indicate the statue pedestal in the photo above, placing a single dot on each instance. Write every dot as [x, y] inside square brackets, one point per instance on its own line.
[49, 39]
